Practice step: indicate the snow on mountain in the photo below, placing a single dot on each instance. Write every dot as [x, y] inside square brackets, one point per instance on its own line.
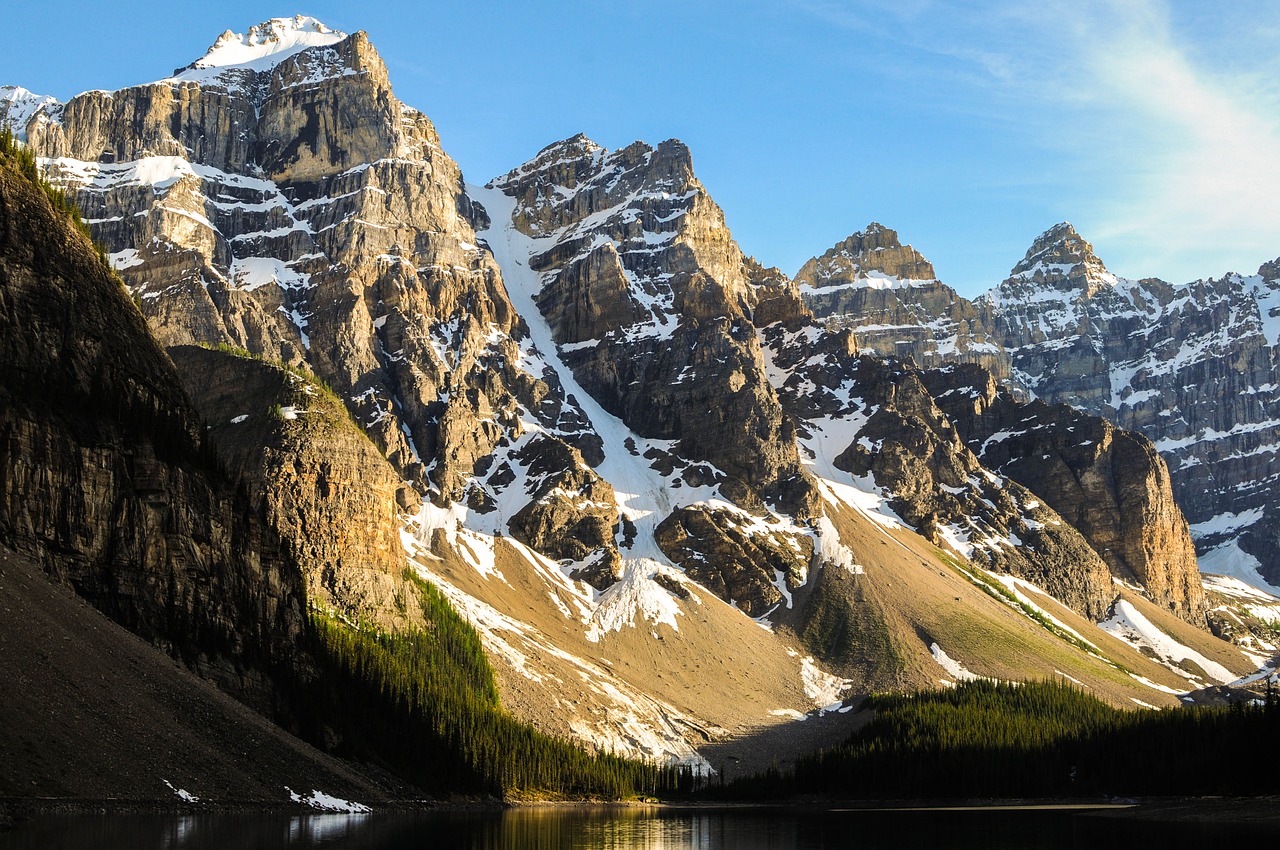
[1128, 623]
[19, 107]
[1194, 367]
[262, 48]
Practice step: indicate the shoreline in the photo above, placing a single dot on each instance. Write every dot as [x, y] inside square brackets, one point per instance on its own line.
[1168, 809]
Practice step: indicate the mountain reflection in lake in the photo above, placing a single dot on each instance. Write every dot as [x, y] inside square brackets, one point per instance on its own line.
[610, 828]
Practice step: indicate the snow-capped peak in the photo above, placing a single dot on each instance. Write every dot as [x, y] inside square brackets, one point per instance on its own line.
[266, 45]
[18, 106]
[573, 153]
[1062, 254]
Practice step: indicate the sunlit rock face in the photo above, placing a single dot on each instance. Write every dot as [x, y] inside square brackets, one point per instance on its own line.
[889, 295]
[1108, 483]
[276, 196]
[653, 304]
[1194, 367]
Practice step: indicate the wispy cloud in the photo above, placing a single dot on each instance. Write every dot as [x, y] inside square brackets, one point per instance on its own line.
[1197, 145]
[1165, 118]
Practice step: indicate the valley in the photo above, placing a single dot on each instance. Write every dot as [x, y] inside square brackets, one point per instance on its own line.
[286, 368]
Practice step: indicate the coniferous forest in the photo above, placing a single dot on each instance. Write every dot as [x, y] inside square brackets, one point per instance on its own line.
[424, 705]
[1039, 739]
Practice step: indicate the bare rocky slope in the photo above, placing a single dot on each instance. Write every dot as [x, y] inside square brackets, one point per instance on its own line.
[677, 506]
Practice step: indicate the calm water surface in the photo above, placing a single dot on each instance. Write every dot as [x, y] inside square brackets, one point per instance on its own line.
[609, 829]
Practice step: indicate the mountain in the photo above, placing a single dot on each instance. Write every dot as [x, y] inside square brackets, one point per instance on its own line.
[676, 506]
[890, 294]
[107, 484]
[1193, 367]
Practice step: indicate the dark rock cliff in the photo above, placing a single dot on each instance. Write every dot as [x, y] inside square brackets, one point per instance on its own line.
[315, 477]
[104, 479]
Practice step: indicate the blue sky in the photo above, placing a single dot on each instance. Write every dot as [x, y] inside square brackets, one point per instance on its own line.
[969, 127]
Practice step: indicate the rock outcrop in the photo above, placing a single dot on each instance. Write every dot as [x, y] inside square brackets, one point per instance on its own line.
[751, 568]
[876, 419]
[105, 479]
[651, 303]
[1108, 483]
[889, 295]
[571, 515]
[315, 476]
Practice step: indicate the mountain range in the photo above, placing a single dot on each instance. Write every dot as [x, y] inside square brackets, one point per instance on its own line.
[692, 506]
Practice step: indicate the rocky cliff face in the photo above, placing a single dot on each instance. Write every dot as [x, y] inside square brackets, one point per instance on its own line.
[104, 479]
[651, 304]
[315, 477]
[889, 295]
[275, 196]
[1192, 367]
[877, 419]
[1108, 483]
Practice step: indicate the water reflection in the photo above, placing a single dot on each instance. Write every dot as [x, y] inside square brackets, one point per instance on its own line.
[601, 828]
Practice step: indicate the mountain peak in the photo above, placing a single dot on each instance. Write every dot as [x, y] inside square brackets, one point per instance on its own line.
[578, 143]
[874, 237]
[267, 44]
[1062, 253]
[873, 256]
[18, 106]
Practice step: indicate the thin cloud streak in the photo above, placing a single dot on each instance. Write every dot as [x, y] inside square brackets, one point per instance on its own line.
[1168, 147]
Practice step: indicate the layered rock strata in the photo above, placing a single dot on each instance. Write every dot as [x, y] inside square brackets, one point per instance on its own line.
[293, 207]
[651, 304]
[105, 479]
[315, 477]
[1193, 367]
[889, 294]
[1108, 483]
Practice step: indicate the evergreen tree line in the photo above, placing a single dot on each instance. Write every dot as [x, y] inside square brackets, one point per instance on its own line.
[24, 162]
[1038, 739]
[423, 705]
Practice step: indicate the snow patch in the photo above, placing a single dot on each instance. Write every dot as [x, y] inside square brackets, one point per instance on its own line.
[183, 795]
[1234, 587]
[264, 46]
[821, 687]
[1129, 624]
[830, 549]
[1232, 561]
[954, 668]
[323, 802]
[635, 594]
[250, 273]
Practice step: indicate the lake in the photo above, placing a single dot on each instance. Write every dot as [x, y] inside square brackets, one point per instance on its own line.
[609, 828]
